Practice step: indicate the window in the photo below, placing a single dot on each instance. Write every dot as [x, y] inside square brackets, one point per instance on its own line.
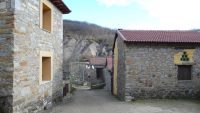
[184, 72]
[46, 15]
[46, 67]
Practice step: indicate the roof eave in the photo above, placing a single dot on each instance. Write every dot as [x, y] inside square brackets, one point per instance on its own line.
[161, 42]
[120, 34]
[61, 6]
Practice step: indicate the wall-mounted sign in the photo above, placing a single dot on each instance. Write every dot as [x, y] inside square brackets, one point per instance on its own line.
[184, 57]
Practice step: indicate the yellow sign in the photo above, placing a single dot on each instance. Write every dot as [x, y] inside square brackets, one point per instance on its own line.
[185, 55]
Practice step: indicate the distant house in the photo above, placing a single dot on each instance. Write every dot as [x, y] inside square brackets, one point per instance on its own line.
[156, 64]
[31, 54]
[102, 77]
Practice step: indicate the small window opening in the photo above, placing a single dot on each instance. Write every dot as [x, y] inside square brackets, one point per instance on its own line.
[46, 17]
[46, 68]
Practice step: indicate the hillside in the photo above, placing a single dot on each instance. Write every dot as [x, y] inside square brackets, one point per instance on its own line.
[83, 40]
[82, 35]
[84, 30]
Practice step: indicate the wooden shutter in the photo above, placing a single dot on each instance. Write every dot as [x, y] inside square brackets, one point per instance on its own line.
[184, 72]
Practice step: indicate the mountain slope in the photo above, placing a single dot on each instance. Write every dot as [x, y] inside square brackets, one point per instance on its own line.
[83, 36]
[84, 40]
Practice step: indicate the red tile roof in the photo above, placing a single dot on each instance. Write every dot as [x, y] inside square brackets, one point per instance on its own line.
[102, 61]
[109, 63]
[98, 61]
[61, 6]
[160, 36]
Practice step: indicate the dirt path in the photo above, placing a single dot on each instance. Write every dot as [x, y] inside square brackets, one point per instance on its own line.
[100, 101]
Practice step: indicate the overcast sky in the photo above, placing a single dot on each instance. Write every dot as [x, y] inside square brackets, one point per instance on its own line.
[137, 14]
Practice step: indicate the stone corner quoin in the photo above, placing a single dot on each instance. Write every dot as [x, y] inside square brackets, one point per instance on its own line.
[21, 41]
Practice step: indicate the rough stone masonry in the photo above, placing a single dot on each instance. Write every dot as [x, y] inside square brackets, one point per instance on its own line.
[21, 41]
[150, 70]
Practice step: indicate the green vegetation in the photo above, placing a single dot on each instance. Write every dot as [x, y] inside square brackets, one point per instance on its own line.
[157, 101]
[6, 85]
[195, 100]
[73, 89]
[1, 110]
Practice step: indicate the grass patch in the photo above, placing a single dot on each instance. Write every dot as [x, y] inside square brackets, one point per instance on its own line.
[194, 100]
[157, 101]
[6, 85]
[1, 110]
[6, 75]
[73, 89]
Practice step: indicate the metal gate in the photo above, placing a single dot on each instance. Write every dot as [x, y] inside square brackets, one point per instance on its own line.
[79, 73]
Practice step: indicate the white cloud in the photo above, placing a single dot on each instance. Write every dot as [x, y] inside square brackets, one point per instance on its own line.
[173, 14]
[169, 14]
[115, 2]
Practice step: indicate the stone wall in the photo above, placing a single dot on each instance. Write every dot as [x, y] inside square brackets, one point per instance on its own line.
[29, 41]
[151, 72]
[121, 70]
[107, 78]
[6, 58]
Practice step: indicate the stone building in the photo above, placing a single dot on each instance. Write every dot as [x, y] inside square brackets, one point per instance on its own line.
[31, 54]
[102, 76]
[156, 64]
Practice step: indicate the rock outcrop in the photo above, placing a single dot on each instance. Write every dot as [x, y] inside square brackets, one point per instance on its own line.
[83, 41]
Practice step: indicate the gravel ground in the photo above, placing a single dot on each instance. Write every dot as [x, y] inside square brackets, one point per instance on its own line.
[100, 101]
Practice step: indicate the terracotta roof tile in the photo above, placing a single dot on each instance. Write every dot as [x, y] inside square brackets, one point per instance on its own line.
[160, 36]
[102, 61]
[98, 61]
